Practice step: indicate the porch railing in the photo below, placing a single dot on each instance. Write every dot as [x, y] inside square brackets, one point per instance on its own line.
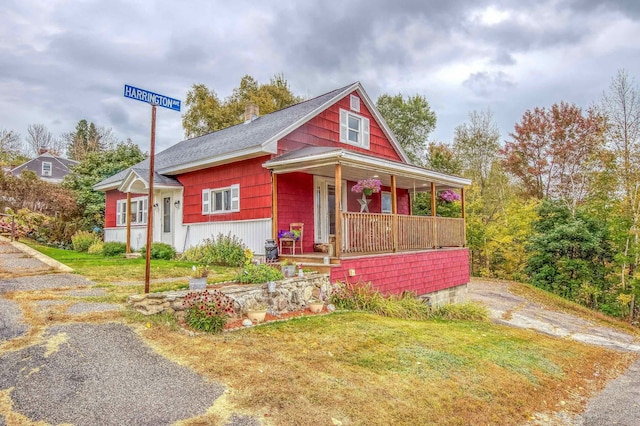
[372, 233]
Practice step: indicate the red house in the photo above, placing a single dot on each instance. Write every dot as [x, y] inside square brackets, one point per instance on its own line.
[299, 165]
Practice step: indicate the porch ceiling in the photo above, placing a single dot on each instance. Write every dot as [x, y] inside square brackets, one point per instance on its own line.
[355, 166]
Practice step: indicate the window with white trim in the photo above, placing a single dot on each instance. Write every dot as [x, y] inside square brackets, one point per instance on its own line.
[221, 200]
[354, 129]
[46, 168]
[354, 103]
[139, 211]
[386, 202]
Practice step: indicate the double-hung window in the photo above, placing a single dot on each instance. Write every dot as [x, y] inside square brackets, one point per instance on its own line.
[138, 214]
[46, 168]
[221, 200]
[354, 129]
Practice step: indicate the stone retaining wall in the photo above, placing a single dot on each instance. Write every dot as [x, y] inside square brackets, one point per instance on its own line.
[291, 294]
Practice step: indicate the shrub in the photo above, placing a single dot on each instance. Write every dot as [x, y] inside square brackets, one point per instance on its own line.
[160, 251]
[96, 248]
[114, 248]
[262, 273]
[207, 310]
[224, 250]
[82, 240]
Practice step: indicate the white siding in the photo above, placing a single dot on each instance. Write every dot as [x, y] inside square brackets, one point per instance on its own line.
[252, 232]
[138, 236]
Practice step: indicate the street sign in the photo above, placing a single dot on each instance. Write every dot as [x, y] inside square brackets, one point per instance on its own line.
[150, 97]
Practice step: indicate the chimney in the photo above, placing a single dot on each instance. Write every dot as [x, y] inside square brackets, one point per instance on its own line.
[251, 112]
[43, 150]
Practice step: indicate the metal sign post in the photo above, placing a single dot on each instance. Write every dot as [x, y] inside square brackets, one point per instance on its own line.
[155, 100]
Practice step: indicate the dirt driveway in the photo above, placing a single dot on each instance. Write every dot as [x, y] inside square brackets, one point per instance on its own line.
[619, 403]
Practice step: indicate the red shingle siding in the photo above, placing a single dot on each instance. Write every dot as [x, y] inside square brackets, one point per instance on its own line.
[418, 272]
[255, 190]
[324, 130]
[295, 204]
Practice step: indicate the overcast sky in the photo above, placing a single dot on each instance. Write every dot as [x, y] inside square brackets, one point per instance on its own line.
[62, 61]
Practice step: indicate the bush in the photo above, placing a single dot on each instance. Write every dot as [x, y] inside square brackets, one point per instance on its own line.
[224, 250]
[114, 248]
[262, 273]
[82, 240]
[96, 248]
[160, 251]
[207, 310]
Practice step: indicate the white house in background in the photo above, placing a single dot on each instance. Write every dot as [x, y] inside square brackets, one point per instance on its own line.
[47, 167]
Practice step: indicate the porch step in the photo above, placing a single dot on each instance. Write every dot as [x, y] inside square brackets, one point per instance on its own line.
[312, 262]
[309, 258]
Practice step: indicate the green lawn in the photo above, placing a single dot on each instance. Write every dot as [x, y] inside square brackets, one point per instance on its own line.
[116, 269]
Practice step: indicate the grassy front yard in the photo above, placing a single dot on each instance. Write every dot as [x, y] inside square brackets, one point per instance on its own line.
[354, 368]
[118, 269]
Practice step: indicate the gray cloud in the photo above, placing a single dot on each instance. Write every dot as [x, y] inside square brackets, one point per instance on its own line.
[62, 62]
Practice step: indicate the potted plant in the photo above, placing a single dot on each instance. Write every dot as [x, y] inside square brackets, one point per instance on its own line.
[257, 312]
[367, 186]
[316, 306]
[288, 268]
[198, 278]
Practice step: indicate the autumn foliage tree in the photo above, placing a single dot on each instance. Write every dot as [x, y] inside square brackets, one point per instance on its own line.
[554, 153]
[207, 113]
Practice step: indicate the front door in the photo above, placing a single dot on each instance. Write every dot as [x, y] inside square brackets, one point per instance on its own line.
[167, 220]
[325, 207]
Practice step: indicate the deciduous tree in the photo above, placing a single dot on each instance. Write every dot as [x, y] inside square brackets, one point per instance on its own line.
[555, 153]
[206, 113]
[411, 120]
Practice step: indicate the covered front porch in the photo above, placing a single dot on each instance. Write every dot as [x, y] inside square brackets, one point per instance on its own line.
[305, 190]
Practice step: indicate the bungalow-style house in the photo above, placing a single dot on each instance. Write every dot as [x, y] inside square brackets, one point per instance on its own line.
[298, 166]
[48, 167]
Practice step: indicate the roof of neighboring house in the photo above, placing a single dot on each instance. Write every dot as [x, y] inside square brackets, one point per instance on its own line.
[60, 167]
[257, 137]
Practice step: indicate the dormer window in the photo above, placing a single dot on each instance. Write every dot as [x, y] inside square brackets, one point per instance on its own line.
[46, 168]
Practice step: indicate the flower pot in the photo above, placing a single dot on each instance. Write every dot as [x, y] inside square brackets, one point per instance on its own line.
[288, 270]
[367, 191]
[257, 316]
[197, 283]
[316, 307]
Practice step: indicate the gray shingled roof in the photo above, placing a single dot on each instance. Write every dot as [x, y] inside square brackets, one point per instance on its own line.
[232, 139]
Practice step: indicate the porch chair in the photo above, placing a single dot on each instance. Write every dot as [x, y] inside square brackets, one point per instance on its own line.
[291, 242]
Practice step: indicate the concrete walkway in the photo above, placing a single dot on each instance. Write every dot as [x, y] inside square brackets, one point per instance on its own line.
[84, 373]
[619, 402]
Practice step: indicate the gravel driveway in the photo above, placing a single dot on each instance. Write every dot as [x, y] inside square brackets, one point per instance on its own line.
[619, 403]
[88, 374]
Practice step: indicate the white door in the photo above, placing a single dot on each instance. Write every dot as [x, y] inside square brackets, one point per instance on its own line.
[167, 217]
[325, 207]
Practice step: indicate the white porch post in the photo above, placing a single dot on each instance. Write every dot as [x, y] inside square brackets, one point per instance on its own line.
[394, 213]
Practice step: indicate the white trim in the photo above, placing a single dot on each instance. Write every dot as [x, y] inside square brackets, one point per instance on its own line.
[141, 211]
[209, 200]
[205, 163]
[356, 159]
[383, 195]
[354, 103]
[50, 171]
[362, 131]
